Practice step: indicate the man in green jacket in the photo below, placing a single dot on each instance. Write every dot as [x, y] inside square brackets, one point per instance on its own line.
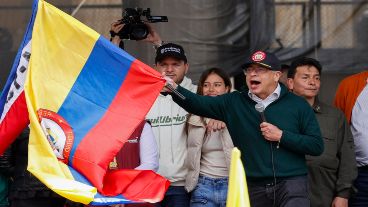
[332, 174]
[274, 147]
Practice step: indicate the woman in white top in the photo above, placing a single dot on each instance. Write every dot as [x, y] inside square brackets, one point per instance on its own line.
[209, 152]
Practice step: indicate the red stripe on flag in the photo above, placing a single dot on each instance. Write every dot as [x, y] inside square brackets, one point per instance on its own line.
[14, 122]
[127, 110]
[137, 185]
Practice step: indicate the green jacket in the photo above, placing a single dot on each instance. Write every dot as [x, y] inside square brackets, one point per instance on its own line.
[290, 113]
[332, 174]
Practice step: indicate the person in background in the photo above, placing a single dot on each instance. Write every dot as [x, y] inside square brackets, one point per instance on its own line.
[273, 128]
[169, 125]
[352, 98]
[331, 175]
[209, 153]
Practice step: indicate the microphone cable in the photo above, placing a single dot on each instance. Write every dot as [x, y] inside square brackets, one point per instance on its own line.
[260, 108]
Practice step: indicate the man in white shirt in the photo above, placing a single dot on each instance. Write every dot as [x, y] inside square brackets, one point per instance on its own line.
[352, 98]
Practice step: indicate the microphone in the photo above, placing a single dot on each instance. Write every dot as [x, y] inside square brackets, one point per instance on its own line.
[260, 108]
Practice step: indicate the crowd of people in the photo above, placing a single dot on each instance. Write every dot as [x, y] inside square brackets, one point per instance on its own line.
[296, 150]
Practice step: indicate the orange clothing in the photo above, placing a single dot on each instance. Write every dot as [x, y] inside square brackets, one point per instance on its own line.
[348, 92]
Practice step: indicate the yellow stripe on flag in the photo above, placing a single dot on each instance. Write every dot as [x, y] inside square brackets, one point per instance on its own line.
[237, 195]
[60, 46]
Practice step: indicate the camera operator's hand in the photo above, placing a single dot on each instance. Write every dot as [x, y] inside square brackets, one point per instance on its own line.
[115, 28]
[153, 37]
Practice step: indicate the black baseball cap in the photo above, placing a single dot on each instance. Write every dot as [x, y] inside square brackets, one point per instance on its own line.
[170, 50]
[265, 59]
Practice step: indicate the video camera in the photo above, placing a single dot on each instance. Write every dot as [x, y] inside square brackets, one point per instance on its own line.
[135, 28]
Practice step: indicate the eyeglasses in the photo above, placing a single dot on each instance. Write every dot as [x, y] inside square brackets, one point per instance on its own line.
[258, 70]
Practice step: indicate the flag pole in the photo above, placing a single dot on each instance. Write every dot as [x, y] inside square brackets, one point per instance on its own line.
[78, 7]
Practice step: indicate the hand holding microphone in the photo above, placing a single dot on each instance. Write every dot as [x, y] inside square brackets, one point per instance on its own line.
[269, 131]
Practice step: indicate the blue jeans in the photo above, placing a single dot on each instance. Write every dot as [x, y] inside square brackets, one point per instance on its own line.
[176, 196]
[209, 192]
[361, 183]
[290, 192]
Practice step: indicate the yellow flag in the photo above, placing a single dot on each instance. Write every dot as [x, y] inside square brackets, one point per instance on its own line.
[237, 194]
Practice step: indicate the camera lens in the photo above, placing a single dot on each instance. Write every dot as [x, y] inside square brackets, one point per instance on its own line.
[135, 28]
[138, 32]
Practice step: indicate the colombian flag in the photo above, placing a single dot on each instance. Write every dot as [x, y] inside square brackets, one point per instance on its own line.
[84, 97]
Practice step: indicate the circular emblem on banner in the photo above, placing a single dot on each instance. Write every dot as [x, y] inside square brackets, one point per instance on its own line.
[58, 132]
[258, 56]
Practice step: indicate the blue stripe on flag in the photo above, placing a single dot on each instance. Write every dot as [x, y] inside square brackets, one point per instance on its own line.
[95, 89]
